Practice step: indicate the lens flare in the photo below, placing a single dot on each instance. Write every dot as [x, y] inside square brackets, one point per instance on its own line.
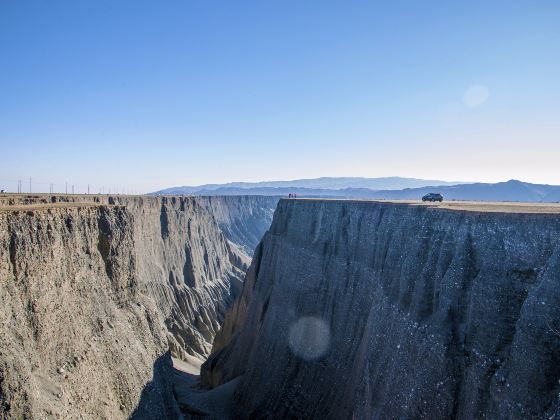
[476, 96]
[309, 337]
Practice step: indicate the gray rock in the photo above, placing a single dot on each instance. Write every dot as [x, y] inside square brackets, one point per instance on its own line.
[158, 271]
[243, 219]
[375, 310]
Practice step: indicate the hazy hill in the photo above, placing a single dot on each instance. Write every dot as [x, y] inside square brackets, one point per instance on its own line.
[512, 190]
[325, 183]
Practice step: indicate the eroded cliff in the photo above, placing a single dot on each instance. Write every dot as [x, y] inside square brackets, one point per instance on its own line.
[96, 290]
[187, 267]
[243, 219]
[379, 310]
[78, 337]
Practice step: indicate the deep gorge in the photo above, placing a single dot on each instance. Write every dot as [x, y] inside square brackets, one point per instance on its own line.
[347, 309]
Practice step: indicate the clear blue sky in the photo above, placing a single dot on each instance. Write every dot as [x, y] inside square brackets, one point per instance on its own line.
[145, 95]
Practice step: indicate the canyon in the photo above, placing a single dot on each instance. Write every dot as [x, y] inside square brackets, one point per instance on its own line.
[292, 308]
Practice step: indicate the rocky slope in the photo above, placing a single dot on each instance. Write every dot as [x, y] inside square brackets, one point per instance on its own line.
[243, 219]
[377, 310]
[77, 335]
[187, 267]
[96, 290]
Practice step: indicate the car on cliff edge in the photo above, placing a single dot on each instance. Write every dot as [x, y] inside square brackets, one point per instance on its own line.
[433, 197]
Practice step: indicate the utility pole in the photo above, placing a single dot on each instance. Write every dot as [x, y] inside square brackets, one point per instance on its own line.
[72, 190]
[88, 189]
[29, 185]
[66, 188]
[51, 188]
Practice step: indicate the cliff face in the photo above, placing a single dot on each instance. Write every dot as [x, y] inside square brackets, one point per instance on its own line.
[77, 336]
[242, 219]
[187, 267]
[375, 310]
[95, 290]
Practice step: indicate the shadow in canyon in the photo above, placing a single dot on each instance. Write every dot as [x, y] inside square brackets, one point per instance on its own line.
[174, 393]
[156, 400]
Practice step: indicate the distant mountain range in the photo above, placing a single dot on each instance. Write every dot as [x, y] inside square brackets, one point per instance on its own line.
[322, 184]
[512, 190]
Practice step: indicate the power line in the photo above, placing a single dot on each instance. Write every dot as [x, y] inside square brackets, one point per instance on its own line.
[38, 186]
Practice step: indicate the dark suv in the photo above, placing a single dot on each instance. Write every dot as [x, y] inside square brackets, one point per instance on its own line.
[433, 197]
